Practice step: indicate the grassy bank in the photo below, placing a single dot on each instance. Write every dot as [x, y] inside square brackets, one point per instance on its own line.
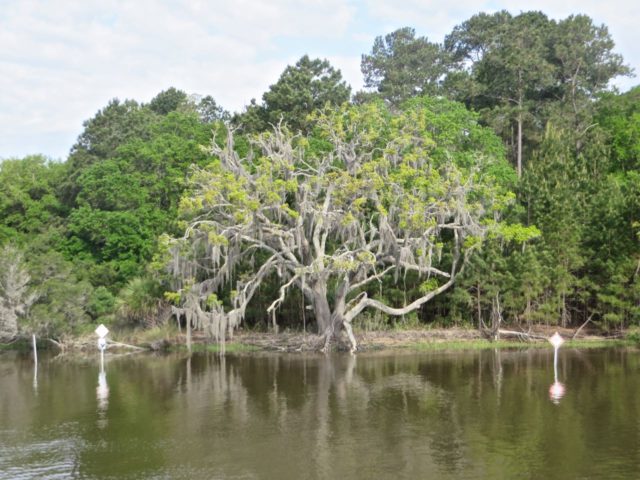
[511, 344]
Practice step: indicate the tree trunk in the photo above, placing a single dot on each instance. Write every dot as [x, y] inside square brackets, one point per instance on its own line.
[479, 307]
[8, 324]
[496, 317]
[519, 152]
[321, 307]
[331, 323]
[338, 318]
[189, 332]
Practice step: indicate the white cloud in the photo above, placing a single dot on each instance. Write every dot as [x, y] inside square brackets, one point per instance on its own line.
[62, 60]
[67, 59]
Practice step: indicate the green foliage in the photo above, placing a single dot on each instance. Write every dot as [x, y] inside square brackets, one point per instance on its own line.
[633, 335]
[522, 71]
[401, 66]
[111, 127]
[619, 117]
[123, 203]
[365, 178]
[308, 85]
[139, 303]
[518, 233]
[29, 202]
[101, 303]
[208, 109]
[168, 101]
[565, 249]
[62, 298]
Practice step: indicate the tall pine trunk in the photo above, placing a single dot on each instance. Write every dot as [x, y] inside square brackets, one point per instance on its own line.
[519, 152]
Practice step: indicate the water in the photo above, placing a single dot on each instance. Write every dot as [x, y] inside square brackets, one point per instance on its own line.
[471, 415]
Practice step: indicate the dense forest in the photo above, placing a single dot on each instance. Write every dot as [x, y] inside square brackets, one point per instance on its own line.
[489, 178]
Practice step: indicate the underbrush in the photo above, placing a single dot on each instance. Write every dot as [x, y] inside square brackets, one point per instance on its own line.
[141, 336]
[378, 322]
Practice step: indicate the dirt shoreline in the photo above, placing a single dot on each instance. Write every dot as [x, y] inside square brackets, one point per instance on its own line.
[294, 341]
[406, 339]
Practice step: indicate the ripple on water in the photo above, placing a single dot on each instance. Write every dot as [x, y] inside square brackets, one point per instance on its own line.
[27, 458]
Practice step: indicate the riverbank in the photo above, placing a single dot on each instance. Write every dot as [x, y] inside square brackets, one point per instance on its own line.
[422, 340]
[454, 338]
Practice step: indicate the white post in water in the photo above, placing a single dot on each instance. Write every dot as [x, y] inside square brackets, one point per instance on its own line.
[102, 391]
[35, 352]
[102, 332]
[556, 392]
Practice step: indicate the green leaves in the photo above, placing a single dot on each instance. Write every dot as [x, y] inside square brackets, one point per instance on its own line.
[401, 66]
[307, 86]
[522, 71]
[29, 203]
[516, 232]
[369, 192]
[125, 199]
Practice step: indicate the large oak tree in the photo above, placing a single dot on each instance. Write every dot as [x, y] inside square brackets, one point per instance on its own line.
[369, 194]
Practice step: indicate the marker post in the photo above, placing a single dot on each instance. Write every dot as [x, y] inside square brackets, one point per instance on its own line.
[102, 332]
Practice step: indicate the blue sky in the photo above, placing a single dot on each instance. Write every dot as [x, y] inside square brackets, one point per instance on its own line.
[62, 60]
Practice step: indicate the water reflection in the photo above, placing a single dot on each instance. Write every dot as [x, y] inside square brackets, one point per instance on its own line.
[556, 392]
[102, 395]
[446, 416]
[35, 377]
[557, 389]
[498, 373]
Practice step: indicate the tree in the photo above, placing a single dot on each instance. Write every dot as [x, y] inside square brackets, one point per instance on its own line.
[619, 117]
[124, 202]
[612, 227]
[522, 71]
[63, 299]
[585, 63]
[515, 72]
[29, 202]
[470, 41]
[401, 66]
[139, 301]
[368, 195]
[15, 292]
[308, 85]
[511, 68]
[557, 191]
[112, 126]
[208, 109]
[168, 101]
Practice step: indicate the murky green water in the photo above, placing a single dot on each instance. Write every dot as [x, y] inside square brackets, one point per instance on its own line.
[442, 415]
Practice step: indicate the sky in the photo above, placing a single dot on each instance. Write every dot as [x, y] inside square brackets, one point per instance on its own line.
[63, 60]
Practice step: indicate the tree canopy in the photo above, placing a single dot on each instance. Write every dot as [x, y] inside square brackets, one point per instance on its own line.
[367, 194]
[308, 85]
[401, 66]
[397, 205]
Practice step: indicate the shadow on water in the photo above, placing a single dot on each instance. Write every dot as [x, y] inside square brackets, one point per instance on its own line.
[475, 414]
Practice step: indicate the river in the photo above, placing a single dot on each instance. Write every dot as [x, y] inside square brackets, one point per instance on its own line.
[460, 415]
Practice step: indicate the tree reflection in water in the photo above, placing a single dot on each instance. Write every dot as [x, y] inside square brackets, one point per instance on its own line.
[445, 415]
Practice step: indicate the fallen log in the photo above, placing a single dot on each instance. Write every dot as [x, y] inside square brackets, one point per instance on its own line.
[582, 326]
[522, 336]
[126, 345]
